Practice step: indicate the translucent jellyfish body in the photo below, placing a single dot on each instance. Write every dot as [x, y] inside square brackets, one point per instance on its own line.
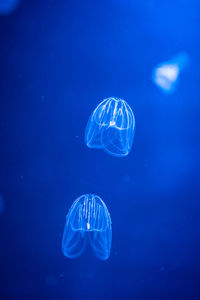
[166, 74]
[88, 222]
[111, 127]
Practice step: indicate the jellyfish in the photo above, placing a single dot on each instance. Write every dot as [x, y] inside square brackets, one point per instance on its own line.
[166, 74]
[8, 6]
[111, 127]
[88, 222]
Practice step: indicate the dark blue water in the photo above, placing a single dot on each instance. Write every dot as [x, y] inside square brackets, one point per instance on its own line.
[58, 60]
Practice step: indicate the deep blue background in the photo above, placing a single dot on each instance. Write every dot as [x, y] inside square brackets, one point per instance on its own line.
[58, 59]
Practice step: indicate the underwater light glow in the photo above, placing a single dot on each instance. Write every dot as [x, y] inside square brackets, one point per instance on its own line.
[8, 6]
[166, 74]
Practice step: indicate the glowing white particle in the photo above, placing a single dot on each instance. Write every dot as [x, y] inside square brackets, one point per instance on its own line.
[112, 123]
[166, 74]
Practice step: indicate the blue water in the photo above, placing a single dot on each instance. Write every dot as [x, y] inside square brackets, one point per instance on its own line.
[58, 60]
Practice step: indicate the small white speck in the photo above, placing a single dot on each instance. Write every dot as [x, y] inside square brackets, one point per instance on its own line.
[112, 123]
